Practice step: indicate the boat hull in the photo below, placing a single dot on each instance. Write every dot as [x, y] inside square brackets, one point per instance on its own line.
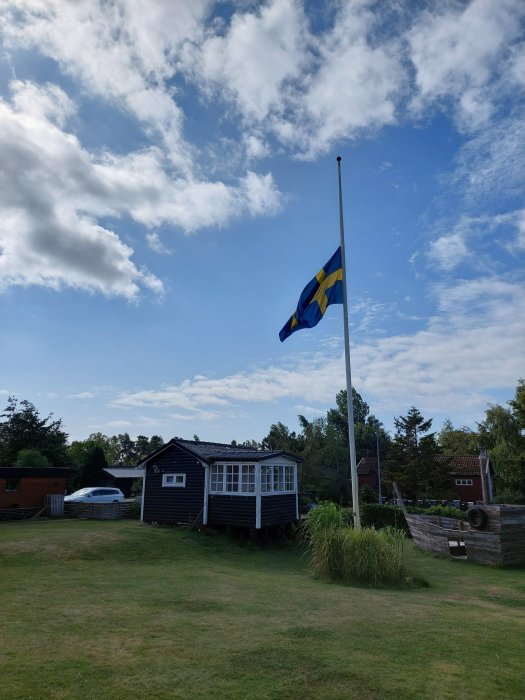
[499, 542]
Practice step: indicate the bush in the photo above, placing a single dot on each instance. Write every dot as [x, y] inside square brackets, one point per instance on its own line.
[374, 515]
[444, 511]
[340, 553]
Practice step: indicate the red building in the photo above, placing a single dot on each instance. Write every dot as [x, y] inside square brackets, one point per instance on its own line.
[472, 477]
[26, 487]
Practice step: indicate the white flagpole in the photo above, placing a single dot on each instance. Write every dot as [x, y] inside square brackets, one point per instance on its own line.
[351, 436]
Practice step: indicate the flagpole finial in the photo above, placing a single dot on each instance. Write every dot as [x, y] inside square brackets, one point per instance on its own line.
[338, 159]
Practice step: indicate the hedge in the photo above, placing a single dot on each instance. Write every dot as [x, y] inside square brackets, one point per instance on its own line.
[374, 515]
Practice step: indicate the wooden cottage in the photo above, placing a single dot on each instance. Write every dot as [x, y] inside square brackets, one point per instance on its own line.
[27, 487]
[471, 476]
[215, 484]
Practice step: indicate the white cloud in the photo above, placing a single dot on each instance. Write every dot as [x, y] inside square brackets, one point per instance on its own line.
[261, 52]
[518, 244]
[123, 51]
[47, 236]
[306, 90]
[54, 191]
[156, 244]
[357, 85]
[42, 101]
[471, 347]
[456, 49]
[83, 395]
[450, 250]
[491, 165]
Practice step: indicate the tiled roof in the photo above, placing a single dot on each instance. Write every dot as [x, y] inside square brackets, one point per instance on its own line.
[462, 465]
[367, 465]
[213, 451]
[465, 464]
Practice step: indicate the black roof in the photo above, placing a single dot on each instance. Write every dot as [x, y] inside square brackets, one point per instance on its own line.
[215, 451]
[26, 472]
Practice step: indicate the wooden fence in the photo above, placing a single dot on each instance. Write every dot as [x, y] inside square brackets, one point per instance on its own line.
[101, 511]
[18, 513]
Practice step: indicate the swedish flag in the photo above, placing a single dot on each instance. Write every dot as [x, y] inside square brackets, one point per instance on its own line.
[326, 288]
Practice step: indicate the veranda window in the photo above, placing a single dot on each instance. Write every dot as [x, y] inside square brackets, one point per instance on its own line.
[232, 478]
[277, 478]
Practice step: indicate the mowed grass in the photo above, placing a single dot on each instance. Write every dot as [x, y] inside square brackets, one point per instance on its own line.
[118, 610]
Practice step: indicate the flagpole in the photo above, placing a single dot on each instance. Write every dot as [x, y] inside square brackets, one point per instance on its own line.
[350, 401]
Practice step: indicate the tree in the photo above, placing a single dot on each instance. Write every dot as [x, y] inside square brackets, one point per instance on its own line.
[502, 434]
[457, 441]
[367, 428]
[31, 458]
[91, 472]
[518, 404]
[280, 438]
[411, 460]
[24, 429]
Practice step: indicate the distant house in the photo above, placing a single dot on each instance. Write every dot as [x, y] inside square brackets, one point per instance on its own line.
[471, 476]
[367, 473]
[122, 478]
[27, 487]
[216, 484]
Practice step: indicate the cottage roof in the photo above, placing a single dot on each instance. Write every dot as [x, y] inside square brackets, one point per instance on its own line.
[125, 472]
[216, 451]
[367, 465]
[463, 465]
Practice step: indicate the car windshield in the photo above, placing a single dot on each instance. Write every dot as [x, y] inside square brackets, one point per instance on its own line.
[82, 492]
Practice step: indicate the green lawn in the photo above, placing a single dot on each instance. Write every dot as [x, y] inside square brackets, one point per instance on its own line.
[118, 610]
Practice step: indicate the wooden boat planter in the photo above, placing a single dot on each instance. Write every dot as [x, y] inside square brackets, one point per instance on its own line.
[494, 534]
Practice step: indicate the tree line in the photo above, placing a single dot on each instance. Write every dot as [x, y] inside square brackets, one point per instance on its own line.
[415, 455]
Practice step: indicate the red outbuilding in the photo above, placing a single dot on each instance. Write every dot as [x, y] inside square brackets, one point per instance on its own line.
[27, 487]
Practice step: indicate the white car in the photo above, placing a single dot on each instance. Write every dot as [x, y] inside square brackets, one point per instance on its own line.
[95, 494]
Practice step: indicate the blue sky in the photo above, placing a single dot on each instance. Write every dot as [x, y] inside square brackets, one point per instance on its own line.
[169, 185]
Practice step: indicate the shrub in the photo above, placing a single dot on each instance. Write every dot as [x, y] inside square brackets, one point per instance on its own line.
[444, 511]
[374, 515]
[325, 516]
[340, 553]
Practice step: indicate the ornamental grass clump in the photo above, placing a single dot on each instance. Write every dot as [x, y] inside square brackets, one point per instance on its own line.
[345, 555]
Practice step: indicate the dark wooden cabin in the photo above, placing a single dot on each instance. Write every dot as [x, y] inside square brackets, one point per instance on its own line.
[215, 484]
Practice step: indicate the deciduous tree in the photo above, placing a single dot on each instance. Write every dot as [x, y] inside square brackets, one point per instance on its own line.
[24, 429]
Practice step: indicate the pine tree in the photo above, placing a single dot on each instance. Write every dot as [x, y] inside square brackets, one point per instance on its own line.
[412, 459]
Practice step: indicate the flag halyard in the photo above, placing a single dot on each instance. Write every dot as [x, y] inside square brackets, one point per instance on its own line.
[325, 289]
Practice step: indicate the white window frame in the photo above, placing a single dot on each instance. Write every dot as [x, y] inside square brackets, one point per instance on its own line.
[226, 474]
[463, 482]
[282, 478]
[176, 483]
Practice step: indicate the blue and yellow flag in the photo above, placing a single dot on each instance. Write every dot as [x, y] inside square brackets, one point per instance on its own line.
[326, 288]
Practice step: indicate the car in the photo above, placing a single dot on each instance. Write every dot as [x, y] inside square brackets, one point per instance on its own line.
[95, 494]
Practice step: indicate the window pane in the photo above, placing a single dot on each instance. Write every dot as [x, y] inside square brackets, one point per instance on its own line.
[278, 478]
[288, 478]
[216, 481]
[232, 478]
[266, 479]
[248, 478]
